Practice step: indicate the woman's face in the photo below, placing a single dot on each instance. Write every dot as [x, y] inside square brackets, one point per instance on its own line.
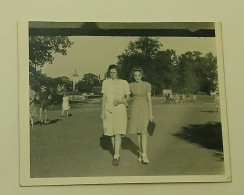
[113, 73]
[137, 76]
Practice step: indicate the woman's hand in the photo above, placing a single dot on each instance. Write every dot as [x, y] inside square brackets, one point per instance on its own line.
[151, 117]
[102, 116]
[116, 102]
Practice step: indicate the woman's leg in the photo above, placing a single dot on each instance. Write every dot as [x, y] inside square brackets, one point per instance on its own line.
[144, 148]
[117, 144]
[45, 119]
[139, 145]
[41, 115]
[112, 141]
[144, 142]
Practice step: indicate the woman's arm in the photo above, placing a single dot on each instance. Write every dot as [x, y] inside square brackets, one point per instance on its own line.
[150, 106]
[124, 100]
[103, 106]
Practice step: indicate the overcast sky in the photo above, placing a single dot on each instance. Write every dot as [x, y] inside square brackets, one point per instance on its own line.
[93, 54]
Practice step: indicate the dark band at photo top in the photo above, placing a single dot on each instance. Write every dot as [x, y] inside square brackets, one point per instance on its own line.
[190, 29]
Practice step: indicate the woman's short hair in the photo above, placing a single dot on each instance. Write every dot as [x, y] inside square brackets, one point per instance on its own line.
[113, 66]
[137, 69]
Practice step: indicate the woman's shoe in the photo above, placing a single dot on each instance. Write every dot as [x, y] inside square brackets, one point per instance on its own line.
[140, 158]
[116, 161]
[144, 159]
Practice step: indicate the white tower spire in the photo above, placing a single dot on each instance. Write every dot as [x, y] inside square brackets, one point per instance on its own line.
[75, 80]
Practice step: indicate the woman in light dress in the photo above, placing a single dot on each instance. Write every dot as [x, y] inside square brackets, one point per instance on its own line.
[65, 105]
[141, 111]
[116, 93]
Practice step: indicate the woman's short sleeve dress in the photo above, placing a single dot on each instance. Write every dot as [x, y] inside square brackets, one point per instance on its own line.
[115, 120]
[139, 117]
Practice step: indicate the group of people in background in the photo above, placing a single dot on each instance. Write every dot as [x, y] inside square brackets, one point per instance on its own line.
[179, 98]
[116, 94]
[44, 98]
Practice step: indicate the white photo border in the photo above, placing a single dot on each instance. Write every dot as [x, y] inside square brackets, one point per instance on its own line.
[24, 133]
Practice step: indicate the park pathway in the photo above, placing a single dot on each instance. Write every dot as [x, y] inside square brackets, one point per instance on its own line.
[71, 147]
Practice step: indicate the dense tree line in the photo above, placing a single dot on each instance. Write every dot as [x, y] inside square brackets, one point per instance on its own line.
[187, 73]
[190, 72]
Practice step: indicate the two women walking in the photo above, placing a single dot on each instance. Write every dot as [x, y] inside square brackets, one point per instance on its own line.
[116, 93]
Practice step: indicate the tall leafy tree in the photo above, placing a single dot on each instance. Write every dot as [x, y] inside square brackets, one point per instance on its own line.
[139, 53]
[89, 82]
[43, 48]
[62, 84]
[207, 73]
[41, 51]
[165, 70]
[188, 63]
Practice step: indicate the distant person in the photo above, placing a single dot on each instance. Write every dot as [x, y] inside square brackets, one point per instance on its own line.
[167, 97]
[32, 107]
[217, 101]
[141, 111]
[194, 98]
[65, 105]
[177, 98]
[116, 93]
[171, 98]
[44, 97]
[181, 98]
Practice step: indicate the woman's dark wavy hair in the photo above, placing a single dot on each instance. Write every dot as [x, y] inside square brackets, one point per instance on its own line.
[135, 69]
[113, 66]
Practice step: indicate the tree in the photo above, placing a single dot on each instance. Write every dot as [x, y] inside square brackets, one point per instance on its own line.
[207, 73]
[188, 64]
[158, 65]
[42, 49]
[88, 82]
[139, 53]
[62, 84]
[197, 73]
[165, 72]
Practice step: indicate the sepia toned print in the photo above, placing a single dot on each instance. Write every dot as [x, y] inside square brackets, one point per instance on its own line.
[65, 138]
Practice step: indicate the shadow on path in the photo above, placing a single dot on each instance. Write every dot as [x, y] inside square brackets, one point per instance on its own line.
[210, 111]
[54, 121]
[126, 144]
[106, 144]
[208, 135]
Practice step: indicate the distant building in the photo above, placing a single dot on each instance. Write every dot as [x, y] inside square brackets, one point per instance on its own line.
[75, 80]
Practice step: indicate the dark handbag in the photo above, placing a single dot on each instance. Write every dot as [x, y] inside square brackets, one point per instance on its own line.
[151, 127]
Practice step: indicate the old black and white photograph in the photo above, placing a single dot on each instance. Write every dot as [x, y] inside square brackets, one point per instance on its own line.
[115, 102]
